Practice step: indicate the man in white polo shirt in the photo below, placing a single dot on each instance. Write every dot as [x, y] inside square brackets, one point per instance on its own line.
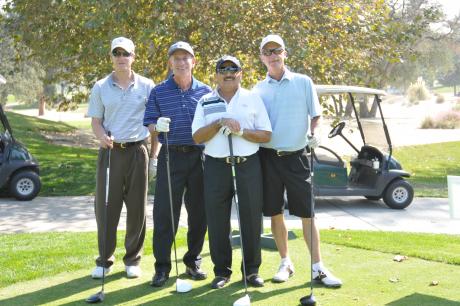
[232, 109]
[117, 105]
[294, 111]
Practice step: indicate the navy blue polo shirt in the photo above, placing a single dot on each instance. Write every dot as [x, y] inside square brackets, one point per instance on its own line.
[168, 100]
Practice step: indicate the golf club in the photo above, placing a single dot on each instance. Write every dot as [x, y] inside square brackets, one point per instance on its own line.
[245, 300]
[99, 297]
[310, 299]
[182, 286]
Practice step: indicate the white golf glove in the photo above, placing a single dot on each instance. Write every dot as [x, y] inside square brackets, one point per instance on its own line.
[162, 125]
[153, 168]
[226, 131]
[313, 141]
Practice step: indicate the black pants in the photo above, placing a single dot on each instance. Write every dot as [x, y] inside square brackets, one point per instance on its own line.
[187, 183]
[218, 186]
[128, 184]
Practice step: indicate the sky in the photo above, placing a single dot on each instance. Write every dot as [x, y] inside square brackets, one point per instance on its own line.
[451, 7]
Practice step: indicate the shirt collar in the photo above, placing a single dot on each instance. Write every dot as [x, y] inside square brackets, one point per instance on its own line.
[172, 84]
[288, 75]
[216, 93]
[135, 78]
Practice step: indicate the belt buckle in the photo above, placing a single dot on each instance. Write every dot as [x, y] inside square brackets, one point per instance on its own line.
[279, 153]
[123, 145]
[228, 159]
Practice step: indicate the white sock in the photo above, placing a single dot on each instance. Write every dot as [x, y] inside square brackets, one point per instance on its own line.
[318, 266]
[286, 260]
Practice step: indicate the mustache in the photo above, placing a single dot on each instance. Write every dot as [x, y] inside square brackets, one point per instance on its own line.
[229, 78]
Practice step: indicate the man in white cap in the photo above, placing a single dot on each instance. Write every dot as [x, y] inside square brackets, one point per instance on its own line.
[172, 104]
[231, 109]
[117, 105]
[294, 111]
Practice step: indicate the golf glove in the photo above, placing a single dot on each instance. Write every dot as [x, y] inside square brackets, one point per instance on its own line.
[313, 141]
[226, 131]
[153, 168]
[163, 125]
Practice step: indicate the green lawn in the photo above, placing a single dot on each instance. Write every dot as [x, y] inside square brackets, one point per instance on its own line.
[429, 166]
[63, 170]
[54, 268]
[445, 89]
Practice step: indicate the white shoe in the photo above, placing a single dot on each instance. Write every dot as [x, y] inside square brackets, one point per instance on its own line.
[326, 278]
[97, 272]
[285, 271]
[133, 271]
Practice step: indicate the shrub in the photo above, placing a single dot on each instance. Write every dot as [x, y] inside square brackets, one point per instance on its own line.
[440, 98]
[449, 120]
[417, 91]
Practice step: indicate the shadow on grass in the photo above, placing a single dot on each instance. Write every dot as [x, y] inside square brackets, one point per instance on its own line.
[418, 299]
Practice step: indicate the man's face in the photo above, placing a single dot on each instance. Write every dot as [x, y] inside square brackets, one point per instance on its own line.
[121, 60]
[181, 63]
[228, 76]
[273, 55]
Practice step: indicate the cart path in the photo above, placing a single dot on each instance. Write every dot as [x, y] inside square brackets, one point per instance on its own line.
[75, 214]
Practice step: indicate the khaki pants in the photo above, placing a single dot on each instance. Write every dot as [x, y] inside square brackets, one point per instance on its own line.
[128, 184]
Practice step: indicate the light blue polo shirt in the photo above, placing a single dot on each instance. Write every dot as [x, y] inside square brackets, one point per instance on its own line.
[291, 103]
[121, 110]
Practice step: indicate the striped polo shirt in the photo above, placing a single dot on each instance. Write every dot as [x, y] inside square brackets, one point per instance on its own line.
[122, 110]
[168, 100]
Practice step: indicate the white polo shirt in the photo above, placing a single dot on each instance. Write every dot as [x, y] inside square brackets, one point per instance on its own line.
[246, 107]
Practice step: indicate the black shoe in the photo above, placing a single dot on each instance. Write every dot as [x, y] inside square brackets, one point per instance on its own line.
[159, 279]
[255, 280]
[219, 281]
[196, 273]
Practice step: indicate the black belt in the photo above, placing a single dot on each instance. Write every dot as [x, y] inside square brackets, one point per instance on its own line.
[124, 145]
[286, 153]
[228, 159]
[184, 148]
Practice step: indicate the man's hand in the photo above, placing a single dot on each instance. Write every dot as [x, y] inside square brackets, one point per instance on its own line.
[227, 131]
[162, 125]
[313, 141]
[106, 141]
[153, 168]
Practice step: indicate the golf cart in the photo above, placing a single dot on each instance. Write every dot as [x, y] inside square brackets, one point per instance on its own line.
[374, 173]
[19, 172]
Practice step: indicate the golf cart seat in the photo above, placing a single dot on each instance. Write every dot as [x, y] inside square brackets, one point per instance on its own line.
[366, 155]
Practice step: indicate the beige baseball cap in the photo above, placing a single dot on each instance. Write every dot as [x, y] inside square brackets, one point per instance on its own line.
[124, 43]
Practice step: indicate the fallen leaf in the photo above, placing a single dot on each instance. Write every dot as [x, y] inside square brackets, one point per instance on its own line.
[400, 258]
[434, 283]
[394, 280]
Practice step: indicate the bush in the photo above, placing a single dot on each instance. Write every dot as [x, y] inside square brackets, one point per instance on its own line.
[440, 98]
[445, 121]
[417, 91]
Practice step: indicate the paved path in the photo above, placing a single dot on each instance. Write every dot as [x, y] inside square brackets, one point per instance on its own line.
[430, 215]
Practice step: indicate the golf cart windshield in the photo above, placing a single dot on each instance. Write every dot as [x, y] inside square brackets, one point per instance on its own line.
[359, 108]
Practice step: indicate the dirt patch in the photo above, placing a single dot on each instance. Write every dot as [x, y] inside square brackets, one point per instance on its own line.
[77, 138]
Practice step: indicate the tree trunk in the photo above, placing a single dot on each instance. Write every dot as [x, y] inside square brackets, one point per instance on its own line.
[41, 106]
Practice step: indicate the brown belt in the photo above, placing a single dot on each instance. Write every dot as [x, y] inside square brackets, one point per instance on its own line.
[228, 159]
[124, 145]
[285, 153]
[184, 148]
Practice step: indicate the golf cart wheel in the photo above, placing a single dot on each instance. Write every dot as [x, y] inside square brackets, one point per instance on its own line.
[25, 185]
[399, 194]
[373, 198]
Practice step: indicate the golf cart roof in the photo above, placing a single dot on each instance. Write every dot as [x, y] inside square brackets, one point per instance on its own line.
[338, 89]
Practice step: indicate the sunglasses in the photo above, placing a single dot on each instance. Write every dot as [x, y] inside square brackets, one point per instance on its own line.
[118, 53]
[268, 52]
[229, 69]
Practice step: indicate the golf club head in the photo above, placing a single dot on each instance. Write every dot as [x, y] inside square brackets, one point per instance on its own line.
[244, 301]
[183, 286]
[96, 298]
[308, 300]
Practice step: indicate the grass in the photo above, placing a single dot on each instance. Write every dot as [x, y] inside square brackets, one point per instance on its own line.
[429, 166]
[444, 89]
[63, 170]
[349, 254]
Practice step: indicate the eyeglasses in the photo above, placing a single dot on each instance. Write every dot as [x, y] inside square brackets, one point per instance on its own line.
[228, 69]
[118, 53]
[268, 52]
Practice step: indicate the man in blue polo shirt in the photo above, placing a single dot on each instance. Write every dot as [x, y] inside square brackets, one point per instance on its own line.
[170, 109]
[294, 111]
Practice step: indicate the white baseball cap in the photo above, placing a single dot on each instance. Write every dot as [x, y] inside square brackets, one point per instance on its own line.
[124, 43]
[180, 45]
[272, 38]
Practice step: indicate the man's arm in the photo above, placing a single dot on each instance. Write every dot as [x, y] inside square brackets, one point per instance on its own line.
[207, 132]
[314, 123]
[98, 130]
[259, 136]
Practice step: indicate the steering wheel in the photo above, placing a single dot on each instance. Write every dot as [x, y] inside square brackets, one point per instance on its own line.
[336, 130]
